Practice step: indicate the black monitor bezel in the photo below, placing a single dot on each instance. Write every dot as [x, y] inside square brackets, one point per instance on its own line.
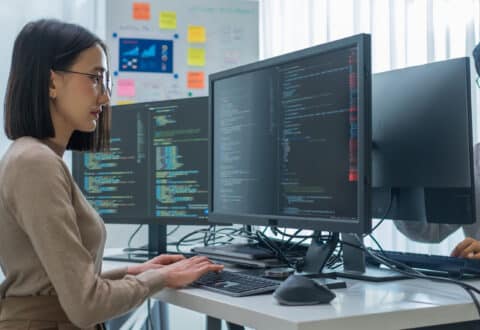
[76, 158]
[363, 222]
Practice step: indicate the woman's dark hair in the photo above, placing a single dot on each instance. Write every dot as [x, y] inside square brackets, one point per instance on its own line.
[42, 46]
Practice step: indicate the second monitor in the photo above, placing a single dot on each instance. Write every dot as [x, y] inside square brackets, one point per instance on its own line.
[156, 170]
[422, 155]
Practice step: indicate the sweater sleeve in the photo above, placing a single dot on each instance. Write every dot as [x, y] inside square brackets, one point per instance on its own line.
[115, 274]
[42, 205]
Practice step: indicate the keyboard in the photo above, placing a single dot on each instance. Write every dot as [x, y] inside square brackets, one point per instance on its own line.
[236, 284]
[432, 264]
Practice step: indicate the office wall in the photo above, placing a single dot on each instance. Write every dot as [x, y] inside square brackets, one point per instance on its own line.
[166, 49]
[15, 14]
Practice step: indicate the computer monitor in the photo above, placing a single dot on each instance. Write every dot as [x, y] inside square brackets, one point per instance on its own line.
[422, 155]
[290, 141]
[156, 170]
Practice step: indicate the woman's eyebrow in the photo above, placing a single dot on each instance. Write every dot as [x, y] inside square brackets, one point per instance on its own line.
[99, 68]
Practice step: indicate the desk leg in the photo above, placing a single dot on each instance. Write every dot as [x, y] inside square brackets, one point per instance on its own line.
[213, 323]
[216, 324]
[163, 316]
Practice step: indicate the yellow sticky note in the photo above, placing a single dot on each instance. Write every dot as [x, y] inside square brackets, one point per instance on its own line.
[141, 11]
[167, 20]
[196, 57]
[123, 102]
[196, 34]
[195, 80]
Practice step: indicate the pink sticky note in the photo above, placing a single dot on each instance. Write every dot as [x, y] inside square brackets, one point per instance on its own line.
[126, 87]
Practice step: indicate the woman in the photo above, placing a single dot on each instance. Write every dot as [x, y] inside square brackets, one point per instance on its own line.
[51, 239]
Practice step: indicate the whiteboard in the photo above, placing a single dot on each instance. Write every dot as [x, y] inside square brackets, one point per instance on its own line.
[165, 49]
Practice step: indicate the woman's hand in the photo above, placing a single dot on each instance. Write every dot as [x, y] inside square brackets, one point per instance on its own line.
[184, 272]
[155, 263]
[468, 248]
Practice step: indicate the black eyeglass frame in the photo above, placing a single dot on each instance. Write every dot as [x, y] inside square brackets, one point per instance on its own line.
[106, 82]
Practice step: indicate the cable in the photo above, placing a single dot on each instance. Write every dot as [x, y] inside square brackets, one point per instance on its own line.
[173, 230]
[384, 215]
[132, 236]
[376, 242]
[336, 259]
[274, 229]
[273, 247]
[208, 235]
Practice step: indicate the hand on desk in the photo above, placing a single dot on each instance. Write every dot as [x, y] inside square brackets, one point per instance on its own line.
[468, 248]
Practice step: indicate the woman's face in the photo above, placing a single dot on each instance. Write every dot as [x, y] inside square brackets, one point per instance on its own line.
[77, 94]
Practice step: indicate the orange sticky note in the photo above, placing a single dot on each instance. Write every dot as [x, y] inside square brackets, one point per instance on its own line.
[141, 11]
[196, 34]
[196, 80]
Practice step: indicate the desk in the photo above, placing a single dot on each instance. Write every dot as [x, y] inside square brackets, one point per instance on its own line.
[363, 305]
[394, 305]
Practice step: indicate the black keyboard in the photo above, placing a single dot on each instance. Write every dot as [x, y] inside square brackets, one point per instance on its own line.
[449, 266]
[236, 284]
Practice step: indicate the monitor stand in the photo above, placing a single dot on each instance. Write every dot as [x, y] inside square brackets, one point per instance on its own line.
[318, 254]
[354, 265]
[157, 244]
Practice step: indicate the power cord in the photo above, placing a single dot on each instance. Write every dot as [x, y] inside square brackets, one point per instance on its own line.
[171, 232]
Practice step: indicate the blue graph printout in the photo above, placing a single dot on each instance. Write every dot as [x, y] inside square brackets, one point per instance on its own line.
[146, 55]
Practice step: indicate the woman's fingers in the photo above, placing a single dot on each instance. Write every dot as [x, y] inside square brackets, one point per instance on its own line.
[166, 259]
[186, 271]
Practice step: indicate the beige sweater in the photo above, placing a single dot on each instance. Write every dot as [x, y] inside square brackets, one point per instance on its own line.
[52, 240]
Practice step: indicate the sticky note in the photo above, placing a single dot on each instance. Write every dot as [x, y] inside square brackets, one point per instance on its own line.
[196, 56]
[167, 20]
[196, 34]
[123, 102]
[126, 87]
[141, 11]
[196, 80]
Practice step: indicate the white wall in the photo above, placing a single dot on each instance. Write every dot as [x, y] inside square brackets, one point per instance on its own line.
[15, 14]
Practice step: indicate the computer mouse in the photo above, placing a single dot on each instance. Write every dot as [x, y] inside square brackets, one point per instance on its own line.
[298, 290]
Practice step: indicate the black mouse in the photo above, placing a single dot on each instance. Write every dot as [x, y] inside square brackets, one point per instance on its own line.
[299, 290]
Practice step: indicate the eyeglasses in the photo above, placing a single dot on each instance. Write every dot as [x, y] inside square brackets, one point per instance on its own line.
[102, 79]
[477, 81]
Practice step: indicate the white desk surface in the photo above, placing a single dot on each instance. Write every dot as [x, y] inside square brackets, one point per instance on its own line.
[363, 305]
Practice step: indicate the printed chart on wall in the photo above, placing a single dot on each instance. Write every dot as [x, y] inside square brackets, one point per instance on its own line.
[165, 49]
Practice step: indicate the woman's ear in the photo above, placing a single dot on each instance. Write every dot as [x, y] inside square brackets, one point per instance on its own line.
[52, 87]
